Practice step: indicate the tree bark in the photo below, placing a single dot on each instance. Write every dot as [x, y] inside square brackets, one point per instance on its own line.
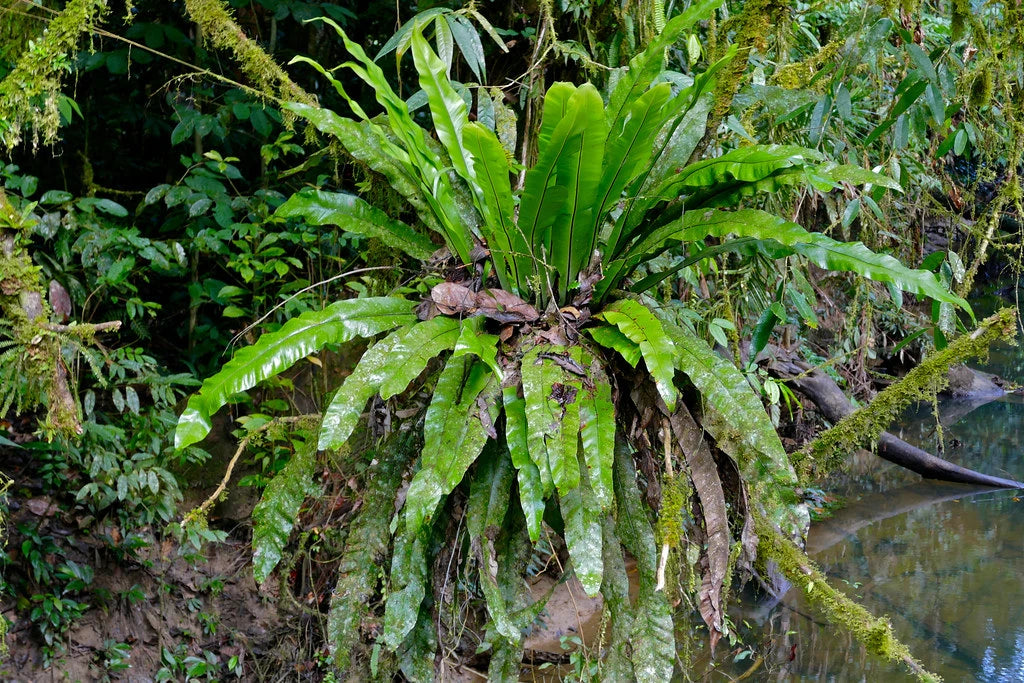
[833, 404]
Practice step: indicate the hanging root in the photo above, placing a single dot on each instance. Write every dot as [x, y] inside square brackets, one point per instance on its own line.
[874, 632]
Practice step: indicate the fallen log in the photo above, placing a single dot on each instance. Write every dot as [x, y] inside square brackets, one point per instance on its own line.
[834, 405]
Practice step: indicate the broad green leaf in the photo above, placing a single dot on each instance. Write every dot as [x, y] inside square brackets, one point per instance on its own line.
[578, 169]
[544, 425]
[411, 148]
[553, 398]
[301, 336]
[274, 516]
[418, 652]
[367, 142]
[651, 641]
[822, 250]
[857, 175]
[597, 432]
[640, 325]
[747, 164]
[610, 337]
[318, 207]
[724, 389]
[485, 515]
[346, 407]
[418, 346]
[408, 581]
[484, 346]
[447, 108]
[453, 434]
[582, 516]
[367, 541]
[629, 148]
[507, 243]
[543, 199]
[531, 490]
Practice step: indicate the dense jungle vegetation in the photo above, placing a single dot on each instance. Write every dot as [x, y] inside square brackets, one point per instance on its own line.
[327, 327]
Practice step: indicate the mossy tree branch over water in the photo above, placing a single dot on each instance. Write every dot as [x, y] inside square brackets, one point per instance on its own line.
[874, 632]
[865, 425]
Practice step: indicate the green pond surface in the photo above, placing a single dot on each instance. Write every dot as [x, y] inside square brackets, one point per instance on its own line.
[945, 562]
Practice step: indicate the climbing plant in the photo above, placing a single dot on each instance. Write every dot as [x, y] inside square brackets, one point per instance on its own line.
[547, 369]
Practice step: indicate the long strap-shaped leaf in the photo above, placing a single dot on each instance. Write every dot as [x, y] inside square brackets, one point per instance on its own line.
[346, 406]
[318, 207]
[640, 325]
[531, 489]
[673, 148]
[387, 368]
[726, 390]
[448, 111]
[597, 431]
[822, 250]
[453, 434]
[553, 399]
[512, 255]
[277, 351]
[652, 645]
[367, 142]
[413, 150]
[419, 345]
[489, 498]
[629, 148]
[275, 514]
[574, 232]
[542, 199]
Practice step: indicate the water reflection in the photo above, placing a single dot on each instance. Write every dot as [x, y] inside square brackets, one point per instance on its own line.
[945, 562]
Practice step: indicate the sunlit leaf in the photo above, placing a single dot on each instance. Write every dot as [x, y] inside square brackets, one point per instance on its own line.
[301, 336]
[640, 326]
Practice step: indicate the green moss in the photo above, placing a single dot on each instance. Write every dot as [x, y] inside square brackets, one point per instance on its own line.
[266, 75]
[874, 632]
[866, 424]
[30, 93]
[797, 75]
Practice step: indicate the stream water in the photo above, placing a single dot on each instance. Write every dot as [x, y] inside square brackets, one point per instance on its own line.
[945, 562]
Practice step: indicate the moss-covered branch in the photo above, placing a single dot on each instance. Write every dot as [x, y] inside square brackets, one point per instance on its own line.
[266, 75]
[874, 632]
[29, 94]
[865, 425]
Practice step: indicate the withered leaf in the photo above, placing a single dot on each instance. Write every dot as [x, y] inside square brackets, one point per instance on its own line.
[505, 307]
[452, 298]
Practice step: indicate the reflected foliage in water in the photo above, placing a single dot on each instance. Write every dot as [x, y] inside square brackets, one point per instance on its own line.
[944, 561]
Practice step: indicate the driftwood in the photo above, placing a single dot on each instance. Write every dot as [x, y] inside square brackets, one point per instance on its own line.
[833, 404]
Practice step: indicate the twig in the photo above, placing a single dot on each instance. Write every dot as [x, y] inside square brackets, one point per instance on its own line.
[199, 512]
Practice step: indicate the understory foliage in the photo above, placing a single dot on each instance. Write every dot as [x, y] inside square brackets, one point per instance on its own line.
[548, 365]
